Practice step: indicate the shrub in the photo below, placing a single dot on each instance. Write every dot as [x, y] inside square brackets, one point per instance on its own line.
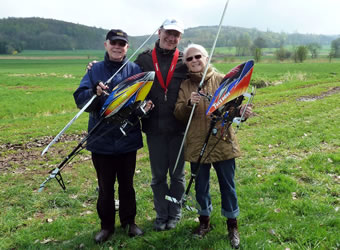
[300, 54]
[282, 54]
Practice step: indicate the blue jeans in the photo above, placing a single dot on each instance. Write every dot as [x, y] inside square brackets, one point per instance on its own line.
[225, 173]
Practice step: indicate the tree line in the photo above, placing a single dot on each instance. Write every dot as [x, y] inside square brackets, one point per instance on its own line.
[299, 53]
[17, 34]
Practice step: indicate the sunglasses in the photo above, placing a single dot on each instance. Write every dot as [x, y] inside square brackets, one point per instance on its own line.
[189, 59]
[118, 42]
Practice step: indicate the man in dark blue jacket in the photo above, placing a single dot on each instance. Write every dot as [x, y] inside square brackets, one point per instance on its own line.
[112, 155]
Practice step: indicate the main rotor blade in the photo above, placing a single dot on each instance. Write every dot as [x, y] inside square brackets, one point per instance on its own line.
[68, 125]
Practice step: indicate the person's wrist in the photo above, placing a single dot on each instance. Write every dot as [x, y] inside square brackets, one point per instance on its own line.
[95, 87]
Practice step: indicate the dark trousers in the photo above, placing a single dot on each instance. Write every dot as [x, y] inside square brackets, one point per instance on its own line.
[108, 167]
[163, 150]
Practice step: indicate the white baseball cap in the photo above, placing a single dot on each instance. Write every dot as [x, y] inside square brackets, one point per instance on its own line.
[173, 24]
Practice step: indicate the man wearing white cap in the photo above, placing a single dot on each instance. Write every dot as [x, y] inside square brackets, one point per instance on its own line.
[164, 133]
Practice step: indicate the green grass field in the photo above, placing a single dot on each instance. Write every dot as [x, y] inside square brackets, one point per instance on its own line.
[287, 178]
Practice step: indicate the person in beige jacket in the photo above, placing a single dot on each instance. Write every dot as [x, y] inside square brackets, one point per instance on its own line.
[220, 152]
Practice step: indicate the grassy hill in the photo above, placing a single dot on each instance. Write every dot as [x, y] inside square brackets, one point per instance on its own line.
[17, 34]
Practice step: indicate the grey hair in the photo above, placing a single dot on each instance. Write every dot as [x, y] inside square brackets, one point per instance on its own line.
[200, 48]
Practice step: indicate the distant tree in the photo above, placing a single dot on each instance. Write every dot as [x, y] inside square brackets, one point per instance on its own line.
[3, 49]
[273, 40]
[300, 53]
[331, 55]
[9, 48]
[314, 49]
[282, 54]
[282, 39]
[260, 42]
[335, 46]
[243, 45]
[257, 54]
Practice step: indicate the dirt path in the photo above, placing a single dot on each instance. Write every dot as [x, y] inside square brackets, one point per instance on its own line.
[322, 95]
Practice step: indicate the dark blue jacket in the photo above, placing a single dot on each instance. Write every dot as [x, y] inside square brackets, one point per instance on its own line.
[107, 138]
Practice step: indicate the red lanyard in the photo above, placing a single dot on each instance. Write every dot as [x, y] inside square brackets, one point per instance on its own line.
[170, 72]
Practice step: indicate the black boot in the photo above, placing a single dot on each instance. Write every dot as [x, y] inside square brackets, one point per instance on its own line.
[103, 235]
[233, 233]
[133, 230]
[204, 226]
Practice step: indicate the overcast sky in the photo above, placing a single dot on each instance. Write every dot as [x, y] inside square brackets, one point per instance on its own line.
[142, 17]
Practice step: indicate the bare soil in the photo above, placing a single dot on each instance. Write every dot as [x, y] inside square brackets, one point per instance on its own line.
[19, 157]
[318, 97]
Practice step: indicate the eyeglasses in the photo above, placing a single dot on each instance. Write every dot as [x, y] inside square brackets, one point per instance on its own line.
[118, 42]
[189, 59]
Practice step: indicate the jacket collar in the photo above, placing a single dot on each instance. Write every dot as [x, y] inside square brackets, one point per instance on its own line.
[197, 77]
[112, 64]
[163, 51]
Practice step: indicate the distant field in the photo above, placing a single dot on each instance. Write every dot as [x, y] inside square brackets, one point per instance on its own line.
[226, 54]
[60, 54]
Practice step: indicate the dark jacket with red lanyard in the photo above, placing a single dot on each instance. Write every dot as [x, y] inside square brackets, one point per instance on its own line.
[161, 119]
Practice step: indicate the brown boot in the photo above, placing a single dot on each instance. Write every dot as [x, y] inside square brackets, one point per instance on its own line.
[204, 226]
[233, 233]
